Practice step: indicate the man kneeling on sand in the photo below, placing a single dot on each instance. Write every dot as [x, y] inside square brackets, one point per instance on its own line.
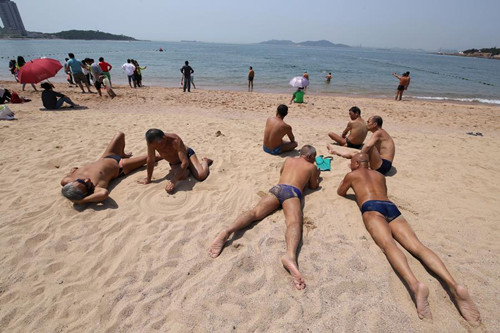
[275, 130]
[182, 159]
[296, 173]
[89, 183]
[385, 224]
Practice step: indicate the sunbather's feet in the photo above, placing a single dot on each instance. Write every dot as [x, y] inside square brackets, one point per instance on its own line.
[421, 298]
[292, 268]
[209, 161]
[467, 307]
[218, 244]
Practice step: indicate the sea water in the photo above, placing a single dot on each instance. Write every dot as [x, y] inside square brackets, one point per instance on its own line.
[356, 71]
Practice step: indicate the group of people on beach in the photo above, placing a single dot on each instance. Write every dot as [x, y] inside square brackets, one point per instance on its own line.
[370, 162]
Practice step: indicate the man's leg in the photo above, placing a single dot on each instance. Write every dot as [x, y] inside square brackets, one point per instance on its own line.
[375, 159]
[337, 138]
[288, 146]
[188, 80]
[61, 101]
[266, 206]
[381, 233]
[116, 146]
[403, 233]
[293, 235]
[200, 170]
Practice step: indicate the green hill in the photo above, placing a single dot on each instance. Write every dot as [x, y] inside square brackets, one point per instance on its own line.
[89, 35]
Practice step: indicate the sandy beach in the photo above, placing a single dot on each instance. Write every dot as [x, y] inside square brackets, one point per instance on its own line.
[138, 262]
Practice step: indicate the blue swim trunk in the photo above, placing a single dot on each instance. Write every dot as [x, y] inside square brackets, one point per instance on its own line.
[275, 151]
[190, 152]
[386, 208]
[385, 167]
[284, 192]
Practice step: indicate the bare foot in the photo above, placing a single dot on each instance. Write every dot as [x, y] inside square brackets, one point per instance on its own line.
[421, 298]
[127, 155]
[291, 267]
[209, 161]
[467, 307]
[330, 149]
[218, 244]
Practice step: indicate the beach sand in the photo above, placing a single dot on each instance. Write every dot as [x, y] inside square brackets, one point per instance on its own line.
[138, 262]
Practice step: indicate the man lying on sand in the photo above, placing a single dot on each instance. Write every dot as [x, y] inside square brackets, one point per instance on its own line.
[275, 130]
[355, 133]
[182, 159]
[296, 173]
[380, 147]
[385, 224]
[89, 183]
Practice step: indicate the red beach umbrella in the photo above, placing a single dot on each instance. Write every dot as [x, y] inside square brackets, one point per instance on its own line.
[38, 70]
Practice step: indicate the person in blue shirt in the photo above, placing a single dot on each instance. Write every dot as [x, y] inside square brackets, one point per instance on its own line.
[75, 66]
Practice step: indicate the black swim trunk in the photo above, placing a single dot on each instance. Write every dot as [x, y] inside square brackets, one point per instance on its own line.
[385, 167]
[386, 208]
[401, 87]
[118, 160]
[190, 152]
[352, 145]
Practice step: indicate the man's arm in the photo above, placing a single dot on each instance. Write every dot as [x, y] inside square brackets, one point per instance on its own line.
[182, 153]
[370, 143]
[289, 133]
[345, 184]
[150, 165]
[100, 194]
[396, 75]
[347, 130]
[314, 180]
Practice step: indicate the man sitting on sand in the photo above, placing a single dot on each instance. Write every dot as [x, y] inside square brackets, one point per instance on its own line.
[385, 224]
[53, 100]
[89, 183]
[356, 128]
[276, 129]
[182, 159]
[380, 147]
[296, 173]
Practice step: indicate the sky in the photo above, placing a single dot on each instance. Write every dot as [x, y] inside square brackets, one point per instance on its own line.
[422, 24]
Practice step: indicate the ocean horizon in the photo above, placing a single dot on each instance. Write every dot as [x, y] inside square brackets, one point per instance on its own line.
[356, 71]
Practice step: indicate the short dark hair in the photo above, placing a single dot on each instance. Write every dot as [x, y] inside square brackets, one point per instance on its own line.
[282, 110]
[154, 134]
[101, 59]
[251, 67]
[71, 55]
[186, 62]
[46, 86]
[355, 109]
[378, 120]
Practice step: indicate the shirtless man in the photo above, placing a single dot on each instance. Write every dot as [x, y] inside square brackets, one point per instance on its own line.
[385, 224]
[182, 159]
[296, 173]
[276, 129]
[404, 82]
[380, 147]
[356, 128]
[89, 183]
[251, 75]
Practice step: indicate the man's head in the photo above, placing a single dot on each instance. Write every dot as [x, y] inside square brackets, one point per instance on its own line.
[308, 152]
[128, 61]
[359, 161]
[354, 112]
[251, 67]
[46, 86]
[78, 189]
[186, 62]
[101, 59]
[71, 55]
[154, 134]
[374, 122]
[282, 110]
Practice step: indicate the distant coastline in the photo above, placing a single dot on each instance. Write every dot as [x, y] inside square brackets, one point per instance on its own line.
[487, 53]
[69, 35]
[322, 43]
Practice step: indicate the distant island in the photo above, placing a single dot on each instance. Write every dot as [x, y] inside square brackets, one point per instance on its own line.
[68, 34]
[489, 53]
[322, 43]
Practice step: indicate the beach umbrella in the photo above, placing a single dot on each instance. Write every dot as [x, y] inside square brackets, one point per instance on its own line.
[38, 70]
[299, 82]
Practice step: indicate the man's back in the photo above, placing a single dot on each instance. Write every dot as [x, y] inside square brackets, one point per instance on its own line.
[368, 185]
[75, 65]
[297, 172]
[274, 132]
[358, 130]
[385, 144]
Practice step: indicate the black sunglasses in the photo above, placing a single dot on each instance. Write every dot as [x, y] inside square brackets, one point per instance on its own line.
[89, 186]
